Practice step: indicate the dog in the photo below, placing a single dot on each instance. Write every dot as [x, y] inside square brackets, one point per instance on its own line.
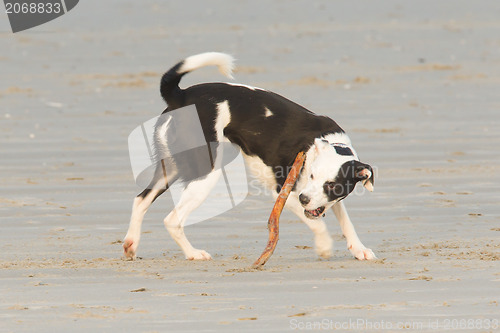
[270, 131]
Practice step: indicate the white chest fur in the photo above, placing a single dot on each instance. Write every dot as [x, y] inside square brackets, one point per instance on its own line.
[261, 171]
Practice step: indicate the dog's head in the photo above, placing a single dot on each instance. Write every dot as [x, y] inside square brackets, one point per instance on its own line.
[333, 173]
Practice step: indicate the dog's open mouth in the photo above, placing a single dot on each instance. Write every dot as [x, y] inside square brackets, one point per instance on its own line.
[312, 214]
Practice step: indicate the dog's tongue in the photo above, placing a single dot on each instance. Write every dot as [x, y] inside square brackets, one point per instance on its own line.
[316, 212]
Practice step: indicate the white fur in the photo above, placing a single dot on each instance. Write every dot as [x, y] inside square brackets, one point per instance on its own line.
[324, 166]
[322, 240]
[225, 62]
[244, 86]
[222, 120]
[261, 171]
[161, 134]
[268, 113]
[139, 209]
[358, 250]
[192, 197]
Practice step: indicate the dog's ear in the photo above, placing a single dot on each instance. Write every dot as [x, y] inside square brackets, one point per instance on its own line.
[320, 144]
[364, 173]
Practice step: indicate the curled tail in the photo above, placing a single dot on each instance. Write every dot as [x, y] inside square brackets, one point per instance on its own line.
[169, 86]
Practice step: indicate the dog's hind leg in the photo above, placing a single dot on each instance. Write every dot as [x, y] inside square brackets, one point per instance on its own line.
[158, 185]
[358, 250]
[141, 204]
[191, 198]
[322, 239]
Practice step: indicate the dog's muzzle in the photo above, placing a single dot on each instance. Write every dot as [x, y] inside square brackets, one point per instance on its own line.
[314, 214]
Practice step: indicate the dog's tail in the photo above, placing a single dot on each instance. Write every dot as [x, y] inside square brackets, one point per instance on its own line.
[169, 86]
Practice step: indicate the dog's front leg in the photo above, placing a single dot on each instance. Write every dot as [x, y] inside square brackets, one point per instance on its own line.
[322, 240]
[358, 250]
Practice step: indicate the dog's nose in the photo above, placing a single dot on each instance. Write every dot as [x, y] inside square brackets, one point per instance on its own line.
[304, 199]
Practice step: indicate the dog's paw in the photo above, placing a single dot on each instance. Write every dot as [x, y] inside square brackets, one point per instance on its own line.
[362, 253]
[129, 248]
[324, 253]
[324, 246]
[198, 255]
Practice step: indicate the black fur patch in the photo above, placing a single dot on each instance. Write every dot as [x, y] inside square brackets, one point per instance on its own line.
[276, 140]
[343, 150]
[345, 181]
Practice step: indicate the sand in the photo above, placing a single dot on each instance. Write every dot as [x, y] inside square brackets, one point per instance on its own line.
[415, 85]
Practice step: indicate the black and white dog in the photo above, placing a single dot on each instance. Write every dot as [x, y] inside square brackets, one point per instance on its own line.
[270, 130]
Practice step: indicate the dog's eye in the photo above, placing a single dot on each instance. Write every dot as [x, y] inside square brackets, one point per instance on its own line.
[330, 186]
[312, 177]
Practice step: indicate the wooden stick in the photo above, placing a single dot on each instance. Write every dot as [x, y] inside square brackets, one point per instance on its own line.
[274, 220]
